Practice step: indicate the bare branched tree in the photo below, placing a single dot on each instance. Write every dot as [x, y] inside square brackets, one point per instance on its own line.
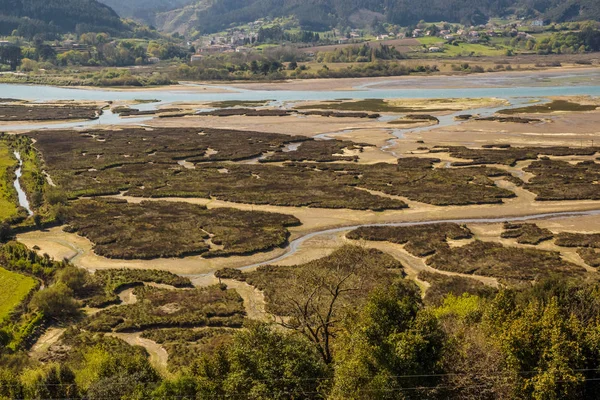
[318, 299]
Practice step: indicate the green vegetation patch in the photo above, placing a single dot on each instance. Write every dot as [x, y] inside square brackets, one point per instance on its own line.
[15, 256]
[373, 105]
[337, 114]
[560, 180]
[420, 240]
[230, 273]
[444, 285]
[111, 281]
[155, 229]
[477, 257]
[102, 366]
[553, 106]
[14, 289]
[184, 344]
[415, 119]
[526, 233]
[163, 308]
[8, 194]
[496, 260]
[239, 103]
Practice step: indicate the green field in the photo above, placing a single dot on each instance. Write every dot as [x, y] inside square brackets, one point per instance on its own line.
[430, 40]
[14, 288]
[462, 49]
[476, 49]
[8, 195]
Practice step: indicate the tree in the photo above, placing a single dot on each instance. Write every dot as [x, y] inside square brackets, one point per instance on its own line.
[548, 335]
[55, 382]
[262, 363]
[55, 302]
[390, 345]
[590, 38]
[45, 52]
[318, 299]
[11, 55]
[474, 366]
[5, 232]
[76, 279]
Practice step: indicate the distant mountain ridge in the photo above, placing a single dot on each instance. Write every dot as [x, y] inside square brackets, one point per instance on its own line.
[209, 16]
[57, 15]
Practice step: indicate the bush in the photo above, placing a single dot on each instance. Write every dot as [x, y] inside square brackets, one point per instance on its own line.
[55, 302]
[76, 279]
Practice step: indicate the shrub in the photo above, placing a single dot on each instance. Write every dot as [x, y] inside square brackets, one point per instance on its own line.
[55, 302]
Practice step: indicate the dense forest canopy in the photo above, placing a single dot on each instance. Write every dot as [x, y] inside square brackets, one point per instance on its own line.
[57, 16]
[213, 16]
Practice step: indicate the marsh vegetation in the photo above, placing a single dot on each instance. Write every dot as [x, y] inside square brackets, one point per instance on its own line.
[173, 229]
[526, 233]
[47, 112]
[165, 308]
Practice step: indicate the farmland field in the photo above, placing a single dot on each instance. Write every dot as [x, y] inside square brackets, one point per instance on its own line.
[14, 288]
[8, 204]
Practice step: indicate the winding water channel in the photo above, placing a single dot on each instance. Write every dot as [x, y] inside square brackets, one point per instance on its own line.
[294, 245]
[23, 201]
[515, 95]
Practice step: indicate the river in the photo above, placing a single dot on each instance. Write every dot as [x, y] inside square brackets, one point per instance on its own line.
[589, 85]
[473, 86]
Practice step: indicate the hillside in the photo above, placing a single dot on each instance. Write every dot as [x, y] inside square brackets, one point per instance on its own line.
[57, 16]
[209, 16]
[145, 10]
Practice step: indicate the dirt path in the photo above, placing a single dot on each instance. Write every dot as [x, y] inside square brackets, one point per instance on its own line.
[254, 299]
[127, 296]
[50, 337]
[158, 355]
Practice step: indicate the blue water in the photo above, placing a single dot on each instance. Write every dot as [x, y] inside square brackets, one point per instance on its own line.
[49, 93]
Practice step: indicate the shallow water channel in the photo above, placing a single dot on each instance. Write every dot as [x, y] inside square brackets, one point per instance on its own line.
[23, 202]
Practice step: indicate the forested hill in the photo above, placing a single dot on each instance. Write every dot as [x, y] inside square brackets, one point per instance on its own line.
[57, 16]
[214, 15]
